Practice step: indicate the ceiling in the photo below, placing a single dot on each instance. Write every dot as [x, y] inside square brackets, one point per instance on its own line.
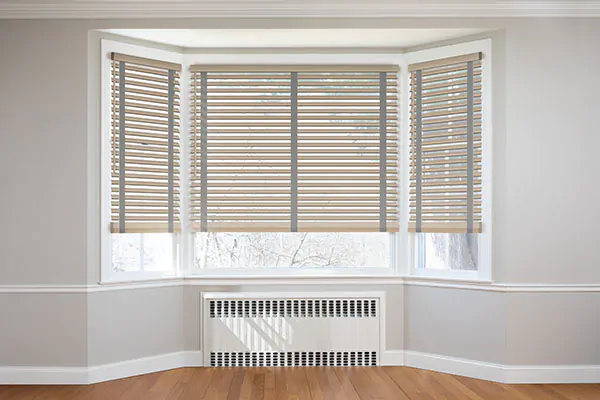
[294, 38]
[119, 9]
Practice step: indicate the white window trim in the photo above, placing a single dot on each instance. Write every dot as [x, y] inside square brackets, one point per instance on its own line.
[402, 249]
[484, 243]
[107, 275]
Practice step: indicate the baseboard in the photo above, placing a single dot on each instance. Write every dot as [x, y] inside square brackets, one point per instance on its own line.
[501, 372]
[146, 365]
[455, 366]
[98, 373]
[433, 362]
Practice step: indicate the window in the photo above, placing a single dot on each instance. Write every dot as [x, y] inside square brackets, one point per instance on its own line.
[293, 166]
[447, 169]
[270, 167]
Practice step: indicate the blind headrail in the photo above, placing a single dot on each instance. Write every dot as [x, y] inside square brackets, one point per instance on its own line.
[145, 61]
[445, 61]
[294, 68]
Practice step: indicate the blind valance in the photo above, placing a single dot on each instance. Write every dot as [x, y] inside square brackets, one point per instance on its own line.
[294, 148]
[445, 145]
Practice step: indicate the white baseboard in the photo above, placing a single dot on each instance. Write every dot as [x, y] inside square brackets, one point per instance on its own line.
[450, 365]
[455, 366]
[499, 372]
[99, 373]
[146, 365]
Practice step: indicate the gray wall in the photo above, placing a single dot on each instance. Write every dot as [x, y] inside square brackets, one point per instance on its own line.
[466, 324]
[545, 203]
[43, 329]
[130, 324]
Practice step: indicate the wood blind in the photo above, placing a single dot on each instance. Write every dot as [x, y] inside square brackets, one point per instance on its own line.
[294, 148]
[445, 145]
[145, 145]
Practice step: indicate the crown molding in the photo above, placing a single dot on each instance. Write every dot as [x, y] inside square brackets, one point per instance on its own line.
[94, 9]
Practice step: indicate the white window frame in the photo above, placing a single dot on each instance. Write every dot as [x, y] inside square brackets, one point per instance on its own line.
[107, 275]
[289, 58]
[484, 242]
[402, 260]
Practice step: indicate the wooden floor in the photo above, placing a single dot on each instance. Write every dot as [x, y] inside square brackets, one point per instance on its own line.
[394, 383]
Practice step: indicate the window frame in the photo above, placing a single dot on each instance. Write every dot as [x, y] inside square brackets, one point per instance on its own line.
[484, 244]
[403, 245]
[107, 275]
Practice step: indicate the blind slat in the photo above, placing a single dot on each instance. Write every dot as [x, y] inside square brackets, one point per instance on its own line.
[267, 127]
[445, 167]
[141, 127]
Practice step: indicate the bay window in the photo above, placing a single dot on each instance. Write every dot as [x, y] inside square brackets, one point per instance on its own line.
[257, 167]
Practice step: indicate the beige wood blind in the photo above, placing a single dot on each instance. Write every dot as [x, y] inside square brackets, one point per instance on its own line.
[294, 148]
[445, 145]
[145, 145]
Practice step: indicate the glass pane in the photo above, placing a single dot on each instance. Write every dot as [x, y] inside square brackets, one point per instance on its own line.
[451, 251]
[142, 252]
[290, 250]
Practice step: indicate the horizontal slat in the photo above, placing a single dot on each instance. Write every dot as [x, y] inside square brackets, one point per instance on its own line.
[450, 81]
[293, 68]
[148, 102]
[449, 203]
[131, 105]
[446, 218]
[448, 227]
[450, 110]
[144, 227]
[445, 62]
[143, 204]
[433, 197]
[146, 218]
[432, 95]
[437, 183]
[145, 61]
[304, 226]
[440, 190]
[129, 74]
[148, 121]
[445, 176]
[442, 74]
[142, 83]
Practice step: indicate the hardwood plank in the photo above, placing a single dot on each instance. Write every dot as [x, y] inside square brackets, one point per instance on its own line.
[346, 387]
[198, 384]
[235, 389]
[269, 381]
[220, 384]
[291, 383]
[402, 378]
[310, 383]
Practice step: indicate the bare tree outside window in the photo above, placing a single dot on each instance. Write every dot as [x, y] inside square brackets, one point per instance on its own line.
[290, 250]
[452, 251]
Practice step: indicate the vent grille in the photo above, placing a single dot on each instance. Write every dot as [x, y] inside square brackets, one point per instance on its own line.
[296, 308]
[294, 359]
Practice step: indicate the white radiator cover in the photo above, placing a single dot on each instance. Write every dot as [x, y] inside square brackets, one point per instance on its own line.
[292, 329]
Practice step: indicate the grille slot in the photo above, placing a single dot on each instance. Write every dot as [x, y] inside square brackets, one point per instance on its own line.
[296, 308]
[294, 359]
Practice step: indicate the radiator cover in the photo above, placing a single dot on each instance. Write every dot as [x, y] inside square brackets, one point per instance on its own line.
[295, 329]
